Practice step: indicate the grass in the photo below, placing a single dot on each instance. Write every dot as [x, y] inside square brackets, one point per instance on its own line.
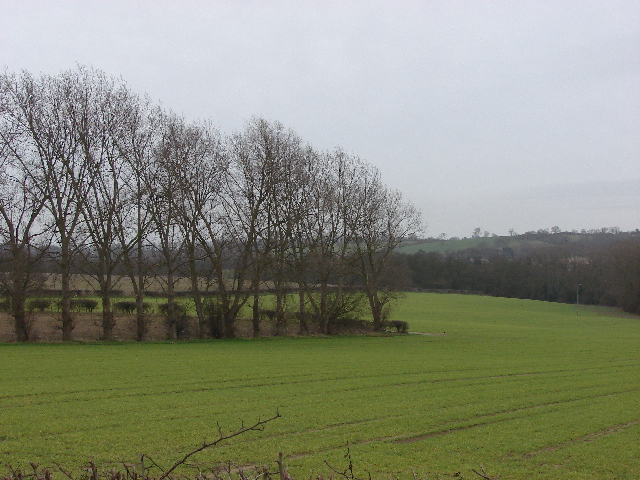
[516, 243]
[528, 389]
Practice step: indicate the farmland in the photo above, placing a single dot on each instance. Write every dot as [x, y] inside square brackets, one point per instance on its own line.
[528, 389]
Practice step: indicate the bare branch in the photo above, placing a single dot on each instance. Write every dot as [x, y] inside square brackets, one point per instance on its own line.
[484, 474]
[66, 473]
[257, 427]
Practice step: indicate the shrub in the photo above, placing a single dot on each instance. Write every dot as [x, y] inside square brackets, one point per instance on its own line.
[178, 324]
[75, 305]
[348, 324]
[125, 306]
[40, 304]
[215, 315]
[86, 304]
[399, 326]
[5, 306]
[128, 306]
[164, 308]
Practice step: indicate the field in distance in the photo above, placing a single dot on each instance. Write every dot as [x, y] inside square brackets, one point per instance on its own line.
[528, 389]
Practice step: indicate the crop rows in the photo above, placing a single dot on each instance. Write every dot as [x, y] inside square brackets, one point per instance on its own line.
[528, 389]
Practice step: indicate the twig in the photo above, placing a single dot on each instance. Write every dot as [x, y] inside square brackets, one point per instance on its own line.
[255, 427]
[143, 470]
[93, 469]
[130, 475]
[152, 461]
[348, 472]
[63, 470]
[281, 469]
[14, 474]
[343, 474]
[483, 474]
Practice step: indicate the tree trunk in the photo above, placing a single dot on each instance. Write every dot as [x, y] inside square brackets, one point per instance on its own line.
[21, 325]
[256, 309]
[108, 322]
[376, 311]
[229, 324]
[138, 284]
[20, 320]
[302, 311]
[281, 324]
[172, 320]
[18, 296]
[66, 317]
[322, 317]
[141, 319]
[197, 297]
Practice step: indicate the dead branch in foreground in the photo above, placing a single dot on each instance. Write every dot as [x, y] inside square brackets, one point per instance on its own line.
[258, 426]
[91, 472]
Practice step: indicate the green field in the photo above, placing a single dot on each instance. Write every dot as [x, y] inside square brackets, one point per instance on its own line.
[527, 389]
[517, 243]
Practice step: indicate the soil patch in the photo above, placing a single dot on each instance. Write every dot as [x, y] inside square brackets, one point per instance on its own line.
[46, 327]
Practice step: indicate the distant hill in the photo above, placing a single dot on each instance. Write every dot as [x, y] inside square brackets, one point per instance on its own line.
[516, 243]
[597, 268]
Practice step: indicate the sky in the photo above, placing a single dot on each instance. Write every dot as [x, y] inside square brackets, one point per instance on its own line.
[496, 115]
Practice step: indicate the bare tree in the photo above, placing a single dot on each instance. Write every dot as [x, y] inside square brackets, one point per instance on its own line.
[227, 258]
[127, 184]
[51, 111]
[196, 160]
[110, 103]
[163, 199]
[382, 221]
[251, 181]
[325, 236]
[24, 241]
[301, 205]
[281, 156]
[136, 144]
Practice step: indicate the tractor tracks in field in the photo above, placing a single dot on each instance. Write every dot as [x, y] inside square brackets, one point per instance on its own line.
[583, 439]
[477, 421]
[230, 384]
[489, 417]
[591, 437]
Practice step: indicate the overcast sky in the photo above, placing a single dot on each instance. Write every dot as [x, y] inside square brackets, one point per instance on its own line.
[490, 114]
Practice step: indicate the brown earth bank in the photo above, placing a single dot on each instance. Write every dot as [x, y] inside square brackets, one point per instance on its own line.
[46, 327]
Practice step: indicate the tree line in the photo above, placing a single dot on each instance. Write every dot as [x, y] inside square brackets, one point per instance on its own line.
[98, 180]
[598, 268]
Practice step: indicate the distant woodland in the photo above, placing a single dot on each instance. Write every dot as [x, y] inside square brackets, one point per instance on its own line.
[595, 267]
